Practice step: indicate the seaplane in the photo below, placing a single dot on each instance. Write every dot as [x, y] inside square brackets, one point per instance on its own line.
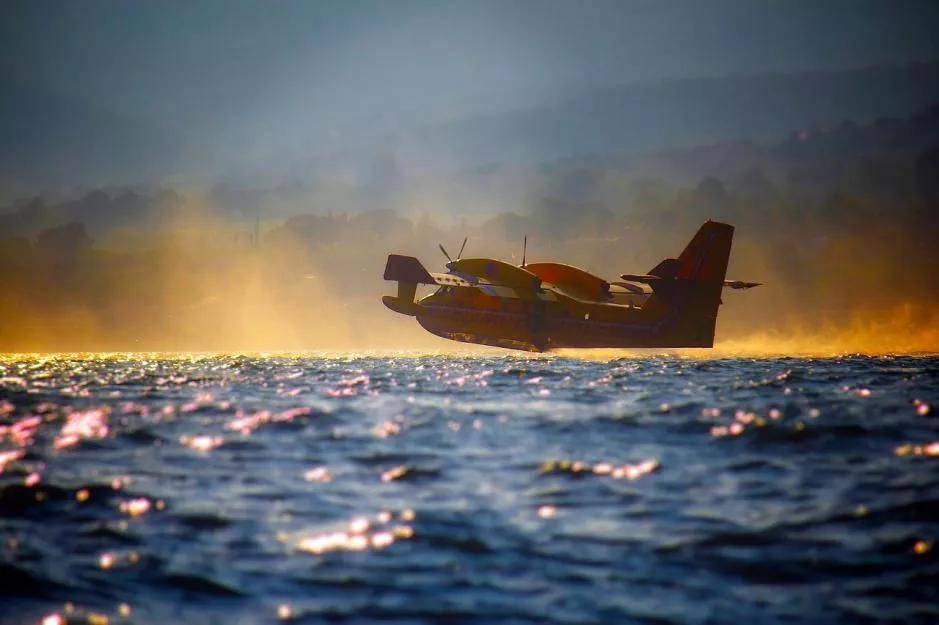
[539, 307]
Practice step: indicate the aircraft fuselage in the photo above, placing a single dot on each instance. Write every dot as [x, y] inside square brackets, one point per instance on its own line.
[546, 306]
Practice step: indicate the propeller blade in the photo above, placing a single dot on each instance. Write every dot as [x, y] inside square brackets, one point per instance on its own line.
[524, 249]
[460, 255]
[445, 252]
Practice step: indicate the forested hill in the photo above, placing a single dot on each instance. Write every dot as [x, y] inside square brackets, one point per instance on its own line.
[892, 159]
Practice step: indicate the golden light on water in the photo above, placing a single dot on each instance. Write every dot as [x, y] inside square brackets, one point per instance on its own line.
[246, 424]
[394, 473]
[318, 474]
[81, 425]
[6, 457]
[617, 472]
[135, 507]
[359, 534]
[359, 525]
[202, 443]
[386, 429]
[928, 449]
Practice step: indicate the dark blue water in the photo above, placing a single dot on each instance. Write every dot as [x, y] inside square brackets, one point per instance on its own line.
[232, 489]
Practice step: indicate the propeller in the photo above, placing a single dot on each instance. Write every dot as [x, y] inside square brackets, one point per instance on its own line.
[458, 256]
[524, 249]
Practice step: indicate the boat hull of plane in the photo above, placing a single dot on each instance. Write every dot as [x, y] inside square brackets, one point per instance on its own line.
[523, 332]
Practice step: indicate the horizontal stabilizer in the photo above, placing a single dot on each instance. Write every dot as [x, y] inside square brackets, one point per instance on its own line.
[652, 279]
[631, 288]
[644, 278]
[407, 269]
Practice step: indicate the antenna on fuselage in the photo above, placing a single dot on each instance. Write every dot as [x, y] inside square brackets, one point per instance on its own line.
[524, 249]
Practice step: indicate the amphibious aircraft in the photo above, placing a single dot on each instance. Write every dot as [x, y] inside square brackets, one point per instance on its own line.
[543, 306]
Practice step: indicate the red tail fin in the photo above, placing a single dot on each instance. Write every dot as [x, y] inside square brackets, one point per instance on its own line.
[705, 258]
[688, 289]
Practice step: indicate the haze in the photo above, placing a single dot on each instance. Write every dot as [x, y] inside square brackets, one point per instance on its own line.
[231, 175]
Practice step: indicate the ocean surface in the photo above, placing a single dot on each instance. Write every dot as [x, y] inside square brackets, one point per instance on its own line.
[263, 489]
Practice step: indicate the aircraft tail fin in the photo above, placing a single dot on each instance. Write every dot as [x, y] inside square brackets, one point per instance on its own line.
[408, 272]
[705, 258]
[668, 268]
[406, 269]
[689, 287]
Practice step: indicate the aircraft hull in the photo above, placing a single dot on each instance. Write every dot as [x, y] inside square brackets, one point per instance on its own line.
[529, 333]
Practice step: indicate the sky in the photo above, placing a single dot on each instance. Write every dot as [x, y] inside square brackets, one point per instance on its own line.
[255, 65]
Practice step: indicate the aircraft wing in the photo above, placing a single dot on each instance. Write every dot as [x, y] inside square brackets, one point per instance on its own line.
[408, 269]
[491, 288]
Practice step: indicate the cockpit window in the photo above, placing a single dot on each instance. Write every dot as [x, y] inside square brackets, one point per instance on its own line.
[444, 290]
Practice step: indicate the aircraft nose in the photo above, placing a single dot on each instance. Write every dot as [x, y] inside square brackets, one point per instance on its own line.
[449, 265]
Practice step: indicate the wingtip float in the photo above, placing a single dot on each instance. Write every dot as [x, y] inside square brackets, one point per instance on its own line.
[543, 306]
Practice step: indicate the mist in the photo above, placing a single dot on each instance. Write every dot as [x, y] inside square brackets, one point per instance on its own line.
[232, 176]
[842, 243]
